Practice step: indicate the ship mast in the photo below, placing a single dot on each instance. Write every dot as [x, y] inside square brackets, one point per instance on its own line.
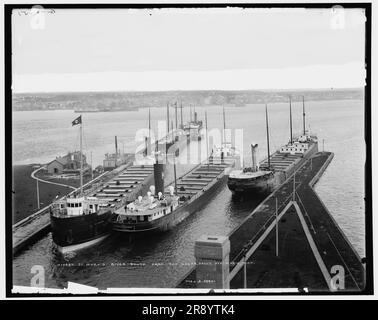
[267, 133]
[166, 137]
[149, 125]
[207, 142]
[81, 156]
[182, 125]
[167, 119]
[291, 125]
[148, 143]
[174, 172]
[176, 113]
[224, 127]
[304, 117]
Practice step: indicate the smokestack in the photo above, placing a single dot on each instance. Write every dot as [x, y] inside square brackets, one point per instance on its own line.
[195, 116]
[116, 146]
[254, 150]
[159, 177]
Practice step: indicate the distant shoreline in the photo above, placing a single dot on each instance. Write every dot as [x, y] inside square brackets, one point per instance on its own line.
[198, 105]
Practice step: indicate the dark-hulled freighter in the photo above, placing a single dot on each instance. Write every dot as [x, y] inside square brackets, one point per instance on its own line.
[276, 168]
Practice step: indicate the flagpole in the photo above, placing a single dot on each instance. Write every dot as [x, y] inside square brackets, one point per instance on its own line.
[207, 142]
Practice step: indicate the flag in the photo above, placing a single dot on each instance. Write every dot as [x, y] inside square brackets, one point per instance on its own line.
[76, 121]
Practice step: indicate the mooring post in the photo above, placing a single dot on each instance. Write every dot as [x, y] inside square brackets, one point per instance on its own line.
[212, 255]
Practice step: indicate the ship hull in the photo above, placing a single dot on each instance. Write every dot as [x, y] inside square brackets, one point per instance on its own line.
[267, 183]
[171, 220]
[261, 185]
[78, 232]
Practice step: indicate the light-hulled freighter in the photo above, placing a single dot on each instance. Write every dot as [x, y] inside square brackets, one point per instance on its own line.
[164, 207]
[276, 168]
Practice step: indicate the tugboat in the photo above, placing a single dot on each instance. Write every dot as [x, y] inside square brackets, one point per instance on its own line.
[274, 170]
[77, 220]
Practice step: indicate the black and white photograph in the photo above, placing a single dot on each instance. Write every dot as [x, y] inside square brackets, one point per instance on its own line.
[173, 149]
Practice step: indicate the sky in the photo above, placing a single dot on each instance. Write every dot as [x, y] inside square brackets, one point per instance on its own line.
[187, 49]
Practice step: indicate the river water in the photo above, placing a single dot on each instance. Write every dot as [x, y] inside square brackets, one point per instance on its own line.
[161, 260]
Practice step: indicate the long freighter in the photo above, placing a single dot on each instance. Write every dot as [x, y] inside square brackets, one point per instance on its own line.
[82, 218]
[276, 168]
[163, 208]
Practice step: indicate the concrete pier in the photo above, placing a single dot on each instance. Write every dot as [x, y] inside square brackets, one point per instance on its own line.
[212, 260]
[313, 252]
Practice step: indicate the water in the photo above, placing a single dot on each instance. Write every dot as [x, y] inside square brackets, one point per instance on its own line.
[160, 260]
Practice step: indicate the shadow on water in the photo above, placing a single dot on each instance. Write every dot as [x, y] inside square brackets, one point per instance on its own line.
[154, 260]
[246, 201]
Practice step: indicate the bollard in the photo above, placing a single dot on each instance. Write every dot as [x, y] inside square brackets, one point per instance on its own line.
[212, 255]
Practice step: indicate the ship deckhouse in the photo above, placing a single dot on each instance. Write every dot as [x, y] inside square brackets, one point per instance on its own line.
[78, 206]
[299, 145]
[148, 208]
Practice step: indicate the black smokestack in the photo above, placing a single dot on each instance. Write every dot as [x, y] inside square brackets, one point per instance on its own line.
[159, 177]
